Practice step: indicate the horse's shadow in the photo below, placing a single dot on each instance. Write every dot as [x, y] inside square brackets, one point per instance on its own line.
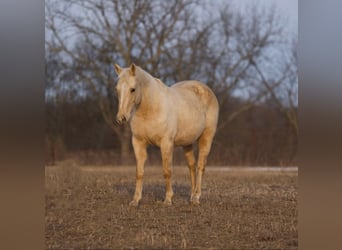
[154, 191]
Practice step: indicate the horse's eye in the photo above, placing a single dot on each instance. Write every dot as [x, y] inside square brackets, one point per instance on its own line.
[132, 90]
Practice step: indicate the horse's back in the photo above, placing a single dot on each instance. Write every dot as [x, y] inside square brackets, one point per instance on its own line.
[201, 91]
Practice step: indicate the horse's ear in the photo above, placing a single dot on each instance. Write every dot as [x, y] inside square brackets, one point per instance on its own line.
[133, 68]
[117, 68]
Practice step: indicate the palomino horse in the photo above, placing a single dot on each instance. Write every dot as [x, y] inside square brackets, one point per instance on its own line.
[166, 116]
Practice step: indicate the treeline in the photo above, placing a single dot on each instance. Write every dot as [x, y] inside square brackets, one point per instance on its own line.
[259, 136]
[246, 56]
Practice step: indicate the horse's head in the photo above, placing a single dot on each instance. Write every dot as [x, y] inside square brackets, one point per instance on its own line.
[128, 92]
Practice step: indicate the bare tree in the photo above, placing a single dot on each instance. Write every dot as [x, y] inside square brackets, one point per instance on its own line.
[173, 40]
[238, 40]
[54, 74]
[282, 90]
[107, 31]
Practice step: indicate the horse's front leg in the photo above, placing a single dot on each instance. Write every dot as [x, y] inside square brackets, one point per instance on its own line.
[139, 147]
[166, 149]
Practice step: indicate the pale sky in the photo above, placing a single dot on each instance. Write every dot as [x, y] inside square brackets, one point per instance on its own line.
[287, 8]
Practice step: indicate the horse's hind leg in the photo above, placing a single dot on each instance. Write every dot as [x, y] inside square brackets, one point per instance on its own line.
[191, 161]
[204, 145]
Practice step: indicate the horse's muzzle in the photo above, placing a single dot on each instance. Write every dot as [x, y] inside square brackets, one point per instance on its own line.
[121, 119]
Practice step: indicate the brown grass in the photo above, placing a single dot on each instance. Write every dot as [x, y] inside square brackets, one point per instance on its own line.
[239, 210]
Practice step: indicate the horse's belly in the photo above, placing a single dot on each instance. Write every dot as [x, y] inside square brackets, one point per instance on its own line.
[189, 134]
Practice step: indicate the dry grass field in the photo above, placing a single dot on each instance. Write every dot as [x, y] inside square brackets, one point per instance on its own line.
[87, 208]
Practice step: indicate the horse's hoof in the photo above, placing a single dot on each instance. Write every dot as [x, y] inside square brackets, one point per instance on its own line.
[134, 203]
[167, 203]
[194, 201]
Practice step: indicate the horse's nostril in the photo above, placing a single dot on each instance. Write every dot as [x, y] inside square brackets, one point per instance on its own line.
[118, 119]
[121, 119]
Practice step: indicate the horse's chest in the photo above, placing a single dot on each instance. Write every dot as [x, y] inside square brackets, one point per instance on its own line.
[152, 131]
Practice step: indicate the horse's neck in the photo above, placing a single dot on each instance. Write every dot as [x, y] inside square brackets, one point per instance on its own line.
[145, 79]
[152, 93]
[150, 83]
